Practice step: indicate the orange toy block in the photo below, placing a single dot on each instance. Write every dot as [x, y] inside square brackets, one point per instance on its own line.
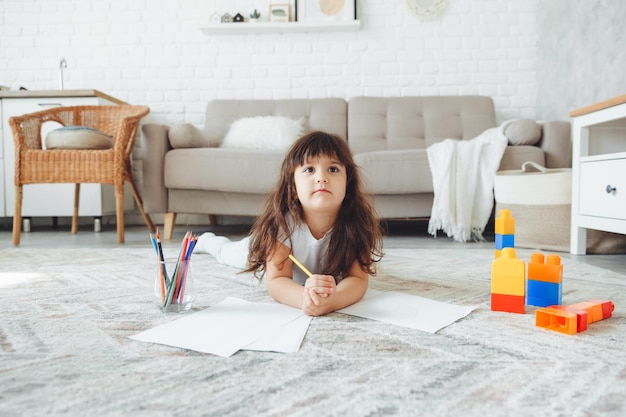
[508, 274]
[597, 309]
[507, 303]
[547, 269]
[582, 317]
[555, 319]
[505, 223]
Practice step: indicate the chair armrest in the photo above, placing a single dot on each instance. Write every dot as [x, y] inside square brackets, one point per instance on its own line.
[556, 142]
[154, 144]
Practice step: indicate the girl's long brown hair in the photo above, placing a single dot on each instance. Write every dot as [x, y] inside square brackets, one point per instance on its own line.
[356, 233]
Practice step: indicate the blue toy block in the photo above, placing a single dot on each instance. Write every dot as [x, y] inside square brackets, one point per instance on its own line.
[543, 294]
[505, 241]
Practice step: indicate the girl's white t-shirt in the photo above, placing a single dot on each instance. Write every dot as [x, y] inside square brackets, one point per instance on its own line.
[308, 250]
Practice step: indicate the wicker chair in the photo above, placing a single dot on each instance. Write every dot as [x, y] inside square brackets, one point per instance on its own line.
[35, 165]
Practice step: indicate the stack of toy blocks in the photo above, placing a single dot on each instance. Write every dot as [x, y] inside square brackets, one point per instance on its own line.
[504, 231]
[508, 274]
[545, 276]
[508, 279]
[573, 318]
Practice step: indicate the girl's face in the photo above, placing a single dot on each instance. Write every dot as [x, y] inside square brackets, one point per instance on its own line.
[321, 184]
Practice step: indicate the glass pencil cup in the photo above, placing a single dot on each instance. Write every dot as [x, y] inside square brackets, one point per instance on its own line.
[173, 285]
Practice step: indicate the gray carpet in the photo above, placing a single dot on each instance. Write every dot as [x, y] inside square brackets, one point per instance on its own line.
[66, 315]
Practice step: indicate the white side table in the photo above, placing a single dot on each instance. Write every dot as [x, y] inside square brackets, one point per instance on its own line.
[598, 170]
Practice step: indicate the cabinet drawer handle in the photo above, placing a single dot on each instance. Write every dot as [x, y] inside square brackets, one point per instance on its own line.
[49, 104]
[610, 189]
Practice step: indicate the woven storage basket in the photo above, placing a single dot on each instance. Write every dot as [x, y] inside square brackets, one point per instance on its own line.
[540, 203]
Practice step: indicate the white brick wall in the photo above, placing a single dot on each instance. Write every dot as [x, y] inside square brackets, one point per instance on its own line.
[153, 52]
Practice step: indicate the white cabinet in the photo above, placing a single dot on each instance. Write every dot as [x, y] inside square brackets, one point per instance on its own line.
[598, 170]
[50, 200]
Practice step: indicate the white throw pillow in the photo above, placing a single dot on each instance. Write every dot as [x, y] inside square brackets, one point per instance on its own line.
[263, 133]
[78, 137]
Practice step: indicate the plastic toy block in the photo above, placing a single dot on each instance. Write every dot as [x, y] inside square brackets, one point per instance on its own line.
[547, 269]
[597, 309]
[507, 303]
[505, 223]
[498, 253]
[504, 241]
[508, 274]
[582, 317]
[555, 319]
[508, 285]
[543, 294]
[561, 318]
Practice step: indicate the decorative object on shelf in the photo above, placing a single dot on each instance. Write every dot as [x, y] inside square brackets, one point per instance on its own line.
[427, 9]
[227, 18]
[280, 13]
[325, 10]
[254, 16]
[238, 18]
[215, 18]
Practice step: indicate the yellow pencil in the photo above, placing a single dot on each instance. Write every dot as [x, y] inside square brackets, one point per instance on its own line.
[302, 267]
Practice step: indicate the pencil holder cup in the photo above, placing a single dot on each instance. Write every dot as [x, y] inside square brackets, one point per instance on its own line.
[173, 285]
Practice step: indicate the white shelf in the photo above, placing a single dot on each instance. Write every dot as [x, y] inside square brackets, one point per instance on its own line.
[286, 27]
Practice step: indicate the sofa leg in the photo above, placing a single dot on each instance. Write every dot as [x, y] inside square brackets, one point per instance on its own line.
[169, 223]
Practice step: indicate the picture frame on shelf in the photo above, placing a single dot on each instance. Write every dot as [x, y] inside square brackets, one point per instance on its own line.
[325, 10]
[279, 12]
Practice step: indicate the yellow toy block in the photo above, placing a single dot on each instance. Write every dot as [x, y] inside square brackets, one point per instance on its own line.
[547, 269]
[508, 274]
[505, 223]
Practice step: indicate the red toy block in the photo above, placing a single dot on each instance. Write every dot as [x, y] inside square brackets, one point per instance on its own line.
[507, 303]
[556, 319]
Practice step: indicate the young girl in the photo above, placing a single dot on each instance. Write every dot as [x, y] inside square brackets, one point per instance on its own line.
[319, 214]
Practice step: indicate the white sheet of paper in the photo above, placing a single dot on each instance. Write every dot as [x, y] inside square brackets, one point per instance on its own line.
[284, 339]
[407, 310]
[227, 327]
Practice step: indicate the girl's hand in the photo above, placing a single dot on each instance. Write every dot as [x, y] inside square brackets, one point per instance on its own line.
[316, 295]
[320, 286]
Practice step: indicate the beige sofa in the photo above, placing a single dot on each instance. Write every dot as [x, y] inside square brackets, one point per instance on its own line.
[388, 136]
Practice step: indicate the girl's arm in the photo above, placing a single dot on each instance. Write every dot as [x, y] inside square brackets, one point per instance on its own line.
[279, 278]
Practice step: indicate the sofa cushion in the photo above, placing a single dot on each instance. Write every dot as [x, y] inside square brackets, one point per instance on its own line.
[515, 156]
[222, 169]
[396, 172]
[186, 135]
[396, 123]
[78, 137]
[263, 133]
[521, 131]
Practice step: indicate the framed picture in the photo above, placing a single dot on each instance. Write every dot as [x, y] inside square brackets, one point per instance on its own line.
[325, 10]
[279, 13]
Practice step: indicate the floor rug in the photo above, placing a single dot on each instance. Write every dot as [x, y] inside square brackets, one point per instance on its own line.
[67, 314]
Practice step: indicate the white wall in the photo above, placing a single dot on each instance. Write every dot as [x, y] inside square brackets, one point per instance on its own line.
[152, 52]
[581, 57]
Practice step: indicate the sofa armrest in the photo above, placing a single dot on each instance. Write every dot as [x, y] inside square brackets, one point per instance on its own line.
[154, 144]
[556, 142]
